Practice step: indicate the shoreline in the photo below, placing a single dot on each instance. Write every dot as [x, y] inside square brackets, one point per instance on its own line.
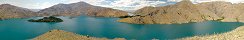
[236, 34]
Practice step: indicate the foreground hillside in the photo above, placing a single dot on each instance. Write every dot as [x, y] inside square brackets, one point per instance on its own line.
[185, 11]
[237, 34]
[64, 35]
[81, 8]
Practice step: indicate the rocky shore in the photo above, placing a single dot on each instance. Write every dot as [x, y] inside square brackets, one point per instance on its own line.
[237, 34]
[64, 35]
[185, 12]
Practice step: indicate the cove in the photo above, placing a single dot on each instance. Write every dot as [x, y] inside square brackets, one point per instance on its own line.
[21, 29]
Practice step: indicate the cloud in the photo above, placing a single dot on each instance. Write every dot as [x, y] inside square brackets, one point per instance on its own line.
[45, 5]
[31, 4]
[116, 4]
[137, 4]
[127, 4]
[38, 5]
[121, 4]
[200, 1]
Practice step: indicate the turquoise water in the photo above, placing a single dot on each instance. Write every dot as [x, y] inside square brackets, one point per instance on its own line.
[21, 29]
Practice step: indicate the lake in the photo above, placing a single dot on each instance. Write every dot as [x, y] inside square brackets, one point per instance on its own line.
[21, 29]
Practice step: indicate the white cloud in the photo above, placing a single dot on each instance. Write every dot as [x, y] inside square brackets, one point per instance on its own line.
[31, 4]
[116, 4]
[121, 4]
[236, 1]
[132, 4]
[174, 0]
[200, 1]
[38, 5]
[46, 4]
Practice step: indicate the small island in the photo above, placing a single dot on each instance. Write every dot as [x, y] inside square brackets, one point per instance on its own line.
[47, 19]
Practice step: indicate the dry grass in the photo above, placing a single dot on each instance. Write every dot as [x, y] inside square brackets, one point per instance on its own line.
[237, 34]
[63, 35]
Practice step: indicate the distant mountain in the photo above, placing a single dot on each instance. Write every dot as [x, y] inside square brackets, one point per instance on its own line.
[74, 9]
[185, 11]
[81, 8]
[130, 11]
[35, 10]
[10, 11]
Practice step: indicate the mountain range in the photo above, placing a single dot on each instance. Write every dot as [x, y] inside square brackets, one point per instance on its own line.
[10, 11]
[73, 9]
[81, 8]
[181, 12]
[185, 12]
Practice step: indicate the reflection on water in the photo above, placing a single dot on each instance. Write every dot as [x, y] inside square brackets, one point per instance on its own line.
[108, 27]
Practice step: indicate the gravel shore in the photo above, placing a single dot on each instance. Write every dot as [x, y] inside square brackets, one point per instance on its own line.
[64, 35]
[237, 34]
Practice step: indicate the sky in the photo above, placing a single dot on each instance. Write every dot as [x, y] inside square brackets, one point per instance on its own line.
[116, 4]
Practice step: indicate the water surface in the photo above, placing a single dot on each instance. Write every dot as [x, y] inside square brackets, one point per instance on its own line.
[21, 29]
